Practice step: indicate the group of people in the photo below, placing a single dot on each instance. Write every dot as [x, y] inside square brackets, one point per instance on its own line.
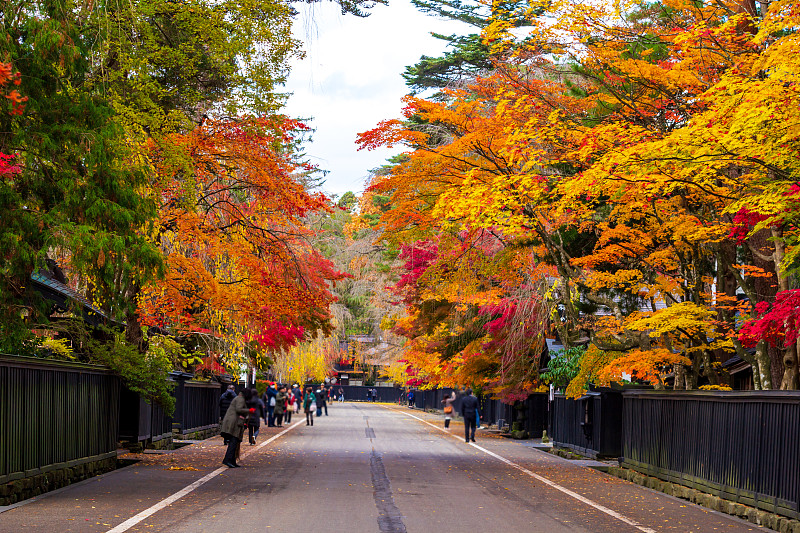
[274, 407]
[470, 411]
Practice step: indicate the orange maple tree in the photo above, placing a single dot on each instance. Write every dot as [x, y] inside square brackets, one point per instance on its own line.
[239, 266]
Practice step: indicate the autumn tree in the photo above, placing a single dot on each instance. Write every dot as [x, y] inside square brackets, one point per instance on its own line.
[620, 147]
[77, 195]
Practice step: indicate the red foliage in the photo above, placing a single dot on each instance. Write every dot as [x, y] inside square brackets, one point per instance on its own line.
[779, 323]
[418, 256]
[744, 221]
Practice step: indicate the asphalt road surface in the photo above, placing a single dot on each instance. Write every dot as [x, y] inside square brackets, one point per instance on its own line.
[365, 468]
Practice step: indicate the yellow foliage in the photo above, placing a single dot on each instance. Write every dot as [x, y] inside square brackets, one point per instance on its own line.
[715, 387]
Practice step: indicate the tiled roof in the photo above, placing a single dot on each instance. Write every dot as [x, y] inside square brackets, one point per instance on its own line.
[65, 292]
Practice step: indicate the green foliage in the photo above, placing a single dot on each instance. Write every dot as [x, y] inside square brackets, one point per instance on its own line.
[145, 374]
[168, 63]
[162, 347]
[348, 201]
[358, 7]
[57, 349]
[77, 190]
[468, 58]
[563, 366]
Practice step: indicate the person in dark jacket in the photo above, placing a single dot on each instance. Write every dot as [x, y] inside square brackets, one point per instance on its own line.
[469, 410]
[297, 396]
[280, 406]
[287, 414]
[233, 425]
[254, 420]
[320, 396]
[269, 400]
[225, 402]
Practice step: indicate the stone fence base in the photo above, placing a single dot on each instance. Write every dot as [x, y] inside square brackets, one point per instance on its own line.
[745, 512]
[27, 487]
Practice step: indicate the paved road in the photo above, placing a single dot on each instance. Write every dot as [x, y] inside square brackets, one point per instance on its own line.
[365, 468]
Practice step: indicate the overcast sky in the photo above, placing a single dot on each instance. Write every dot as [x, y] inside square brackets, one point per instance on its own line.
[351, 79]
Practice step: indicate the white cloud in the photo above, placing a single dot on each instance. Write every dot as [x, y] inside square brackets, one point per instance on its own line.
[351, 79]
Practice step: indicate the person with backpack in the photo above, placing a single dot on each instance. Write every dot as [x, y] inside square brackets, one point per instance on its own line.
[269, 400]
[321, 395]
[309, 406]
[287, 415]
[280, 406]
[448, 408]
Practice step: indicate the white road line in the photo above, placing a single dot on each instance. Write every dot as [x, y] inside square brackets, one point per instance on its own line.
[546, 481]
[169, 500]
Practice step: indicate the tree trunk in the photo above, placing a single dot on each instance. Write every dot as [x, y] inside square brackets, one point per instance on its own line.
[708, 369]
[790, 377]
[133, 328]
[762, 245]
[762, 370]
[680, 377]
[742, 353]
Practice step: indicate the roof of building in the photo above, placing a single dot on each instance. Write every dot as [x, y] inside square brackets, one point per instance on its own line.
[61, 294]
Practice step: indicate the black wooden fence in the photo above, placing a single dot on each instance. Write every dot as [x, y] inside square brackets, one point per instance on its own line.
[742, 446]
[358, 393]
[590, 425]
[196, 407]
[54, 415]
[140, 421]
[196, 411]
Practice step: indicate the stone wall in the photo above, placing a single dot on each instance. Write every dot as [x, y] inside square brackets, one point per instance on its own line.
[28, 487]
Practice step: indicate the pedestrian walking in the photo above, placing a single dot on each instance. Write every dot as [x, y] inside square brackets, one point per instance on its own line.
[287, 415]
[341, 395]
[411, 398]
[233, 424]
[469, 410]
[374, 395]
[280, 406]
[225, 402]
[448, 408]
[309, 406]
[269, 399]
[322, 404]
[254, 420]
[297, 392]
